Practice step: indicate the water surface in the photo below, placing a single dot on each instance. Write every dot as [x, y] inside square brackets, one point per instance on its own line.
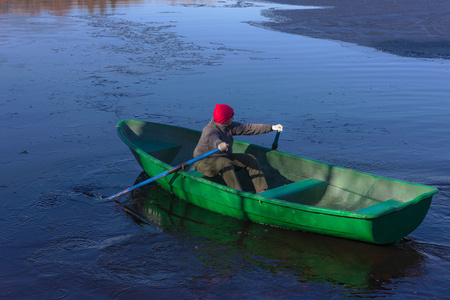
[72, 70]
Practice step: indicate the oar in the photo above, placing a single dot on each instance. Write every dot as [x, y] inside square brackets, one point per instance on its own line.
[275, 142]
[173, 170]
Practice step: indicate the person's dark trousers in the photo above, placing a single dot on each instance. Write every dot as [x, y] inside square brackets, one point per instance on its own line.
[226, 166]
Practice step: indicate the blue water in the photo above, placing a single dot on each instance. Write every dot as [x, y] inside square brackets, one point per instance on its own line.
[70, 72]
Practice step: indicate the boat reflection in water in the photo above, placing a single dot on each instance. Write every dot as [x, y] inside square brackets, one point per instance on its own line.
[306, 256]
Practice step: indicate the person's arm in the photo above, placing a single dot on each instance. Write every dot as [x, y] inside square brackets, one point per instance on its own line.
[250, 129]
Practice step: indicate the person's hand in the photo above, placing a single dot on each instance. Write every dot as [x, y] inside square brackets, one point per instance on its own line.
[223, 146]
[277, 127]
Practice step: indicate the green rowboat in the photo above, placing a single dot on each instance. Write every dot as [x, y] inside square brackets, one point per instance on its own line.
[303, 194]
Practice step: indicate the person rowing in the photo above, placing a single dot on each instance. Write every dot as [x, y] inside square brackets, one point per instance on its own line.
[219, 134]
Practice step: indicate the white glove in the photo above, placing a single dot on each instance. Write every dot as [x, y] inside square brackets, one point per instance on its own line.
[277, 127]
[223, 146]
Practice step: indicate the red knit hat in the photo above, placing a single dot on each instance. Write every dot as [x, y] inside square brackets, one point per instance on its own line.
[222, 113]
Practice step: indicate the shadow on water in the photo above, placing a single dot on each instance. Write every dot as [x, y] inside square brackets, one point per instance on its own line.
[309, 258]
[404, 28]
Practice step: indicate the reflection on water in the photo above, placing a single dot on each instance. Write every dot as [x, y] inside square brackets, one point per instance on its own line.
[305, 256]
[31, 7]
[58, 6]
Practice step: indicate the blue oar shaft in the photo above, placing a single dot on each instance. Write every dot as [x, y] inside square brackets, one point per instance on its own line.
[174, 169]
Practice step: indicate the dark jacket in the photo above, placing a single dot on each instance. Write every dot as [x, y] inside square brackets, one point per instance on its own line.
[214, 133]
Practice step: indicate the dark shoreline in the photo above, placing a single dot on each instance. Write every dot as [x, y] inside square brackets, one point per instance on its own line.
[406, 28]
